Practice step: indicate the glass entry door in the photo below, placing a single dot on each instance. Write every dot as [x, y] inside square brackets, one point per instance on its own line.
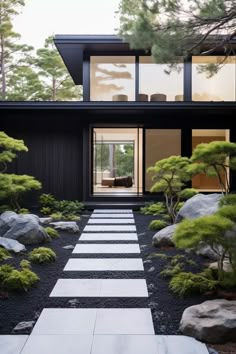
[117, 161]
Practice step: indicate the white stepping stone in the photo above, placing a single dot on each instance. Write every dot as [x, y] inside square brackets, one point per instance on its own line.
[112, 211]
[100, 288]
[112, 216]
[12, 344]
[124, 321]
[109, 237]
[124, 288]
[124, 344]
[111, 221]
[58, 344]
[66, 321]
[118, 228]
[104, 264]
[179, 345]
[106, 248]
[77, 287]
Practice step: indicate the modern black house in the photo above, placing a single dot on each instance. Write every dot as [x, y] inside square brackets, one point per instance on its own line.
[133, 113]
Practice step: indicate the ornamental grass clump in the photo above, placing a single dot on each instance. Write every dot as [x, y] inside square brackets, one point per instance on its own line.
[153, 209]
[157, 224]
[4, 254]
[12, 279]
[52, 232]
[42, 255]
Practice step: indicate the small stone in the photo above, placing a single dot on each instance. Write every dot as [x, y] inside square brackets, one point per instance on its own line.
[153, 305]
[45, 220]
[143, 246]
[142, 234]
[68, 247]
[147, 261]
[85, 216]
[73, 302]
[151, 269]
[151, 286]
[70, 226]
[24, 326]
[212, 351]
[36, 315]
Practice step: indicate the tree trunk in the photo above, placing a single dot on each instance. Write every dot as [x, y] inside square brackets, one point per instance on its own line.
[54, 90]
[3, 73]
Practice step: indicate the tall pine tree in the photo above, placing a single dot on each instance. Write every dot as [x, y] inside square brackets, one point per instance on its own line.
[12, 53]
[58, 85]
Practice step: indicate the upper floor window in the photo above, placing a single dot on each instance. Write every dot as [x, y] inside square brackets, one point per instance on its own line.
[157, 83]
[112, 78]
[213, 85]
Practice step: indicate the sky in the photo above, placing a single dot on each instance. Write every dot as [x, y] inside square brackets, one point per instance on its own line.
[41, 18]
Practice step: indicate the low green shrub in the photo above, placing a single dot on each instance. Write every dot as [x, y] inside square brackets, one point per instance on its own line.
[184, 284]
[71, 217]
[157, 224]
[228, 211]
[170, 271]
[46, 210]
[69, 207]
[42, 255]
[51, 232]
[4, 208]
[25, 264]
[47, 201]
[228, 281]
[176, 259]
[159, 255]
[23, 211]
[5, 270]
[153, 209]
[229, 199]
[20, 280]
[4, 254]
[57, 216]
[191, 262]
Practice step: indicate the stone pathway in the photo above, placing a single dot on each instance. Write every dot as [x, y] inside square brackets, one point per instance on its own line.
[101, 330]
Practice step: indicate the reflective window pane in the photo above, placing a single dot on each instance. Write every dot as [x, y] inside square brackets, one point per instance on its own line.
[199, 136]
[112, 78]
[217, 87]
[155, 84]
[160, 144]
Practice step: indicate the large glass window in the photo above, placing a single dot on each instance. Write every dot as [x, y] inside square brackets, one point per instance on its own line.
[201, 181]
[160, 144]
[210, 86]
[155, 84]
[112, 78]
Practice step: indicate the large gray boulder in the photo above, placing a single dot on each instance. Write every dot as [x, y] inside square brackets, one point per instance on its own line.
[11, 245]
[24, 228]
[70, 226]
[163, 237]
[212, 321]
[199, 205]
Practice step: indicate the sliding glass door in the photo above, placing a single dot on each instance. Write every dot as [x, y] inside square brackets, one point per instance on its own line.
[117, 161]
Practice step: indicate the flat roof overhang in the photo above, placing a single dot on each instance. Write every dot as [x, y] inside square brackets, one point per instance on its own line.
[127, 107]
[74, 48]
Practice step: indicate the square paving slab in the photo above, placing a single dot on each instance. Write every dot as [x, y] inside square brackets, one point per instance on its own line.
[124, 288]
[124, 321]
[106, 248]
[112, 211]
[100, 288]
[111, 221]
[108, 236]
[58, 344]
[180, 345]
[99, 228]
[66, 321]
[104, 264]
[121, 344]
[12, 344]
[77, 287]
[112, 216]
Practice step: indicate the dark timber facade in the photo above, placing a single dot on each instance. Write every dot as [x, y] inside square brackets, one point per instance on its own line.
[64, 138]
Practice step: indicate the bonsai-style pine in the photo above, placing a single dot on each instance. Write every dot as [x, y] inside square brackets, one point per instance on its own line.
[12, 186]
[171, 175]
[214, 159]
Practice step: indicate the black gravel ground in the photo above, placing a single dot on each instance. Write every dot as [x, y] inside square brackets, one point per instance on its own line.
[166, 307]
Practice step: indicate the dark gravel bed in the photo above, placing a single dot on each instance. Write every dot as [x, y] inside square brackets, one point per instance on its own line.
[166, 307]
